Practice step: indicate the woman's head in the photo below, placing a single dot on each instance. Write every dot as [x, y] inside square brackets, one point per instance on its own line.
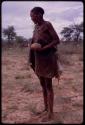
[37, 14]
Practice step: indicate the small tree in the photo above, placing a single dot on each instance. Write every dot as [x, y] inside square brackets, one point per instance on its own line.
[72, 33]
[21, 40]
[9, 33]
[67, 33]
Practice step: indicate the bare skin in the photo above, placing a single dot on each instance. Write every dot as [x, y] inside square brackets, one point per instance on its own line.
[48, 95]
[46, 83]
[38, 19]
[44, 88]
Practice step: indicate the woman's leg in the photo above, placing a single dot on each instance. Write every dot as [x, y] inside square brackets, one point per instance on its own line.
[50, 96]
[44, 88]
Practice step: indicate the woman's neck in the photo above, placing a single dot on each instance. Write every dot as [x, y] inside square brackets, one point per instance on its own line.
[40, 22]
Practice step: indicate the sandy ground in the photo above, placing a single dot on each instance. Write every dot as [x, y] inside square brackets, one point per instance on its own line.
[22, 97]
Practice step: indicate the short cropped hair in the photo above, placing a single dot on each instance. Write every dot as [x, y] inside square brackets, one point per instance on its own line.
[38, 10]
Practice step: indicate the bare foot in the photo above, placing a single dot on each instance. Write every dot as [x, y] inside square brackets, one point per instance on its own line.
[51, 116]
[47, 118]
[38, 113]
[44, 118]
[41, 114]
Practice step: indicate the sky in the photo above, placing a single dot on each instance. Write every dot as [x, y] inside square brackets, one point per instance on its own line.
[59, 13]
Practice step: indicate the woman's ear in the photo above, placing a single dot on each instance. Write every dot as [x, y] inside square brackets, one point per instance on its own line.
[40, 15]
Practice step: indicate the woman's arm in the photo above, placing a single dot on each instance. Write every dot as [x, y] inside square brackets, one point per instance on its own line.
[50, 45]
[55, 38]
[53, 33]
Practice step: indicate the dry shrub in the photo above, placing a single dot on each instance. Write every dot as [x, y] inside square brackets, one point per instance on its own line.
[25, 76]
[70, 48]
[19, 77]
[66, 51]
[65, 59]
[80, 57]
[27, 88]
[32, 108]
[31, 87]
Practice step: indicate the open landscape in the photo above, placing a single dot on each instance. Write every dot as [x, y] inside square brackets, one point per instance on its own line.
[22, 97]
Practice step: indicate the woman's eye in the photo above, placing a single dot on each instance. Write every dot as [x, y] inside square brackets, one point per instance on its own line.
[35, 16]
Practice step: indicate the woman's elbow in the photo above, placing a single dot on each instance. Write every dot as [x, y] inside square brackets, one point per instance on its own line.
[57, 41]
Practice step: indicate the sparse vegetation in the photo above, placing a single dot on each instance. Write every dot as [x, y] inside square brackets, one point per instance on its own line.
[73, 33]
[32, 108]
[27, 88]
[9, 33]
[21, 87]
[69, 34]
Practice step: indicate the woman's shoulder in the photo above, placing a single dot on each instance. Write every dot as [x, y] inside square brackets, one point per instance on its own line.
[48, 24]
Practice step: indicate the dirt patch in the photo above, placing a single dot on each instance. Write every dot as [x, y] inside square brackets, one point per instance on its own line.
[22, 94]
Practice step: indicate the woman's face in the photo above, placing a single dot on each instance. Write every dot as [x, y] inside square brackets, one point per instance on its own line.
[35, 17]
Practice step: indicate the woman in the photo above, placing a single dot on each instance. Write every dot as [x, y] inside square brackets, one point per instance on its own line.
[43, 60]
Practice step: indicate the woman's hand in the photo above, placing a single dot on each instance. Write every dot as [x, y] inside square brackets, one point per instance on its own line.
[35, 46]
[40, 49]
[50, 45]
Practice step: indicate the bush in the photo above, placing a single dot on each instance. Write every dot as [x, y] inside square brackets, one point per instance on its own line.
[70, 48]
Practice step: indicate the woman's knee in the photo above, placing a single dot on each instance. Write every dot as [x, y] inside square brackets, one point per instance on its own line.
[49, 83]
[42, 81]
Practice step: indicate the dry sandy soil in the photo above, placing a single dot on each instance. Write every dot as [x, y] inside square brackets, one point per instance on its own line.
[22, 97]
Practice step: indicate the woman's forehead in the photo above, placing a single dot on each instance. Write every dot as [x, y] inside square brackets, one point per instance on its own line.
[33, 14]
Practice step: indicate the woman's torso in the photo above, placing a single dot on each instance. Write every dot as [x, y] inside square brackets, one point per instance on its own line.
[42, 35]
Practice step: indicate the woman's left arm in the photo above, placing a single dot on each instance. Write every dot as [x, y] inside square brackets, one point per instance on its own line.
[55, 38]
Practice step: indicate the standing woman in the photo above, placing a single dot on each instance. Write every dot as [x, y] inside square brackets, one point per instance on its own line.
[43, 59]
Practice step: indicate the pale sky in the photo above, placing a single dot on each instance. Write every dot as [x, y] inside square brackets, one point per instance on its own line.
[60, 14]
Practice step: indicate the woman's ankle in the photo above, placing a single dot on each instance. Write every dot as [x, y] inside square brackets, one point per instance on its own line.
[51, 115]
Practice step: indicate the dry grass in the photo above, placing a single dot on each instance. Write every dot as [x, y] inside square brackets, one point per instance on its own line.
[32, 108]
[22, 93]
[66, 51]
[81, 57]
[70, 48]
